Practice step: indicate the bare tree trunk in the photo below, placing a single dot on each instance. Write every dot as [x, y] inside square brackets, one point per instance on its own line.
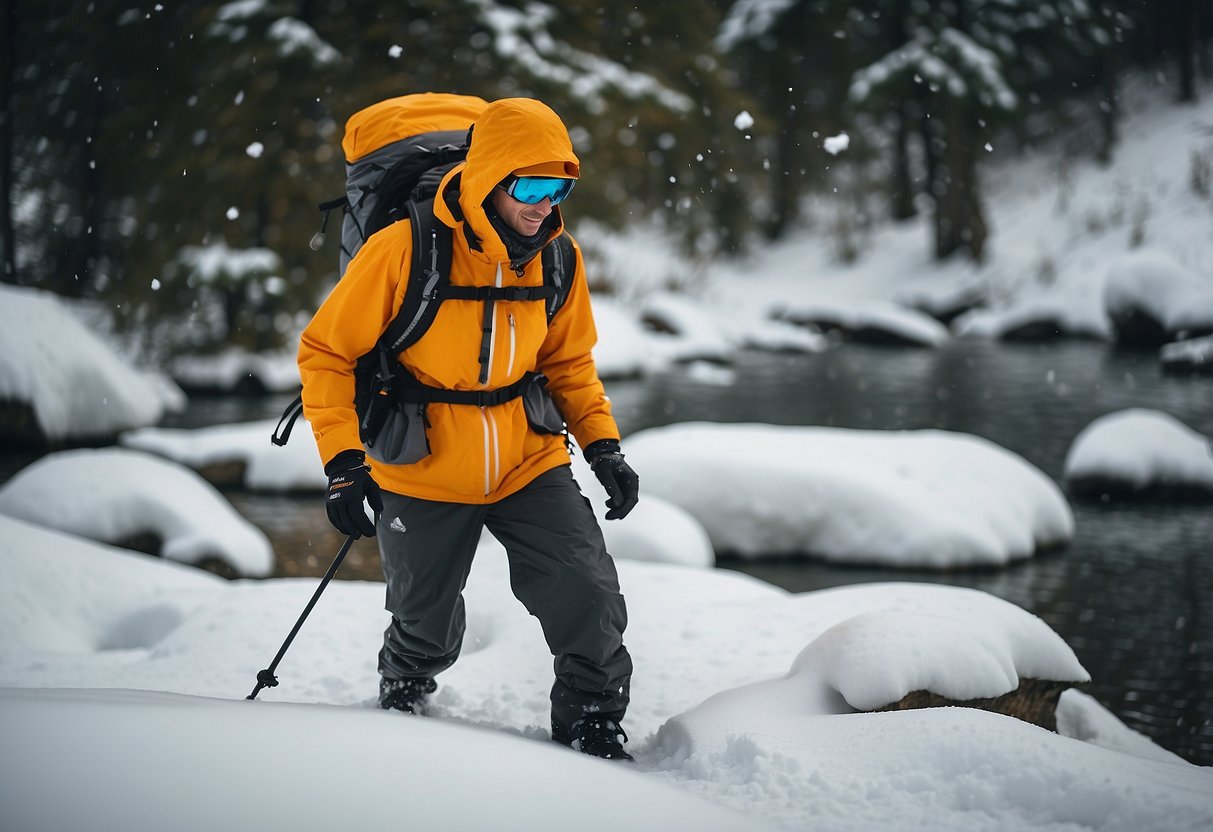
[903, 185]
[87, 272]
[959, 224]
[8, 232]
[902, 197]
[1185, 23]
[1109, 81]
[786, 174]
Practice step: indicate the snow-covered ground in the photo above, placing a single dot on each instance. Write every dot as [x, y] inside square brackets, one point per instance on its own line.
[743, 695]
[1058, 230]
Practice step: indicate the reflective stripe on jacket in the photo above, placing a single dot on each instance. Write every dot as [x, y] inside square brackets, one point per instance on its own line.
[479, 455]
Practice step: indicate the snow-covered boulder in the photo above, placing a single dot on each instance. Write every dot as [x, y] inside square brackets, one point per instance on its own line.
[623, 349]
[236, 371]
[60, 382]
[770, 335]
[960, 645]
[1140, 453]
[1152, 299]
[239, 455]
[119, 496]
[945, 304]
[1194, 355]
[901, 498]
[1035, 321]
[685, 332]
[974, 650]
[875, 322]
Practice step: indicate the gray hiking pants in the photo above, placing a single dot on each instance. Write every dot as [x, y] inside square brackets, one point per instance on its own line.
[559, 570]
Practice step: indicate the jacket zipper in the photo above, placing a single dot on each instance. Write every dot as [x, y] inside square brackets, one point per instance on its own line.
[509, 370]
[492, 451]
[486, 372]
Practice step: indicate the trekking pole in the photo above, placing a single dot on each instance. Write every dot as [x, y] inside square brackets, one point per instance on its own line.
[266, 678]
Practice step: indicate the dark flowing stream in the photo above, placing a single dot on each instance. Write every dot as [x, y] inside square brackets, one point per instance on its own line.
[1132, 595]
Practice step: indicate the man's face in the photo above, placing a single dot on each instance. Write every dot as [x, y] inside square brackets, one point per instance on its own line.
[523, 218]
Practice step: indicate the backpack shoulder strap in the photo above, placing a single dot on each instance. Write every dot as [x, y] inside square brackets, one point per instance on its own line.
[559, 269]
[429, 273]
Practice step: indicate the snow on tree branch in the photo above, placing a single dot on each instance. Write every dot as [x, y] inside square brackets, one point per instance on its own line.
[949, 61]
[749, 20]
[522, 37]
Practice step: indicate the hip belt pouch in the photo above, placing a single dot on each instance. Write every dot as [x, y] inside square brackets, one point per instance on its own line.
[541, 412]
[392, 431]
[401, 438]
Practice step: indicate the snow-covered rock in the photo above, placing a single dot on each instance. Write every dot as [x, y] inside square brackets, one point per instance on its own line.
[957, 643]
[1140, 452]
[242, 455]
[1152, 299]
[236, 370]
[114, 495]
[969, 646]
[623, 349]
[1194, 355]
[239, 454]
[771, 335]
[872, 322]
[60, 382]
[901, 498]
[687, 332]
[1035, 321]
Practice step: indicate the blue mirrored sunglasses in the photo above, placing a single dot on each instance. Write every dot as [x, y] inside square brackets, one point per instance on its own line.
[535, 189]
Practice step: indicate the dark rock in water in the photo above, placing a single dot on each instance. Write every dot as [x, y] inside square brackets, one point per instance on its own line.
[1138, 328]
[843, 327]
[1036, 331]
[19, 425]
[1109, 490]
[224, 474]
[1188, 357]
[950, 307]
[1034, 701]
[248, 384]
[149, 543]
[880, 336]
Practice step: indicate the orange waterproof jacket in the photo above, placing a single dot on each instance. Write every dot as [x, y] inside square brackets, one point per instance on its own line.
[478, 454]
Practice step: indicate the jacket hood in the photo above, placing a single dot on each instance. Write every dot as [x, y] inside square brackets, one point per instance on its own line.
[512, 135]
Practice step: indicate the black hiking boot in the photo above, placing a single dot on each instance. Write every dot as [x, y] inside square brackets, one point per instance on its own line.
[598, 735]
[406, 695]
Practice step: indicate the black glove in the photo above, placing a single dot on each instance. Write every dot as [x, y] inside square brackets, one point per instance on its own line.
[617, 477]
[349, 484]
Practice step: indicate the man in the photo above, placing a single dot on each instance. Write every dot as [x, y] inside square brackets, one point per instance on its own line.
[486, 467]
